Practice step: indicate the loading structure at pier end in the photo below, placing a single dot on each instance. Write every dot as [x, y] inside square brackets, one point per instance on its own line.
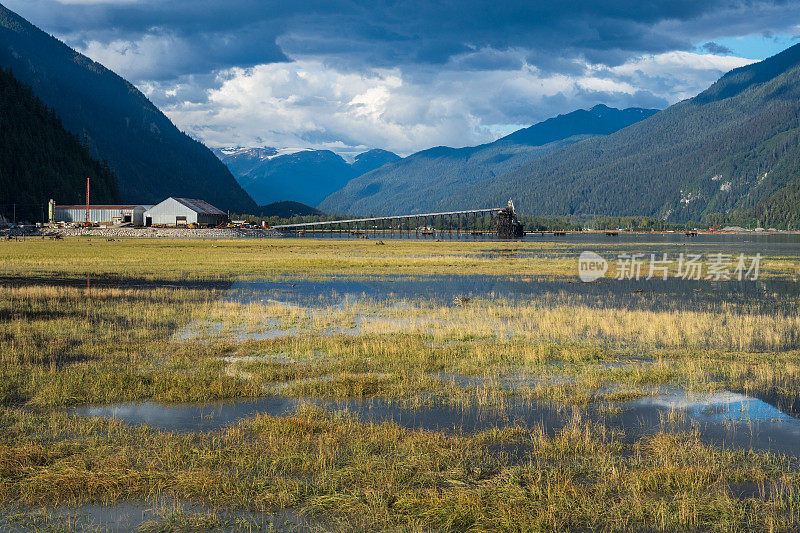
[508, 226]
[490, 222]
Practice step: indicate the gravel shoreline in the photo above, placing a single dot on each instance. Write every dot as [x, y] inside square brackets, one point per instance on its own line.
[142, 233]
[235, 233]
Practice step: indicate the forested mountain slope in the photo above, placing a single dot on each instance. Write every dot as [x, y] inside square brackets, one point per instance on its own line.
[427, 180]
[733, 148]
[40, 160]
[151, 158]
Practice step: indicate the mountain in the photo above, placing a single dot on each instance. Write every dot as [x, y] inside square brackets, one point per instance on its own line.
[732, 149]
[288, 209]
[40, 160]
[307, 176]
[241, 161]
[599, 120]
[369, 161]
[426, 181]
[151, 158]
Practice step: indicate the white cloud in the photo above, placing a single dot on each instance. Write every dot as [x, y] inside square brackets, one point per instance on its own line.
[309, 104]
[306, 104]
[676, 75]
[607, 85]
[398, 76]
[141, 58]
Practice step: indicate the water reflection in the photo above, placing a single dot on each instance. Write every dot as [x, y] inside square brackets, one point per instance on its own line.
[766, 243]
[769, 295]
[125, 516]
[190, 417]
[724, 418]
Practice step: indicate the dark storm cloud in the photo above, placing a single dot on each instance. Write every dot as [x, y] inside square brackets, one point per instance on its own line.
[403, 74]
[715, 48]
[211, 34]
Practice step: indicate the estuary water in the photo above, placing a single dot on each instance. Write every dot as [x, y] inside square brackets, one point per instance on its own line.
[723, 418]
[769, 295]
[771, 243]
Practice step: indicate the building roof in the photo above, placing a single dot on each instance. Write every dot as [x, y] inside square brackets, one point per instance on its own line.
[199, 206]
[98, 206]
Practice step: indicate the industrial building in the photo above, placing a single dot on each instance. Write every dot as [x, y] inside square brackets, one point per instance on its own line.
[184, 211]
[99, 214]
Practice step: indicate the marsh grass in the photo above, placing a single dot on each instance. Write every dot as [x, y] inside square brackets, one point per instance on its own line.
[63, 345]
[377, 476]
[186, 259]
[557, 318]
[561, 351]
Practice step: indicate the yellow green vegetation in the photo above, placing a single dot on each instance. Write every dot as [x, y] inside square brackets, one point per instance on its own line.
[226, 259]
[265, 258]
[66, 344]
[352, 476]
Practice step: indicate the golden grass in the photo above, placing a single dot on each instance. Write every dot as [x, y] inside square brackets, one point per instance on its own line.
[71, 345]
[186, 259]
[559, 318]
[377, 477]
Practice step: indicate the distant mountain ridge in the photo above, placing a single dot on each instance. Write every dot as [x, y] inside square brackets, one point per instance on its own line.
[599, 120]
[307, 176]
[732, 149]
[288, 209]
[150, 156]
[40, 160]
[426, 180]
[372, 159]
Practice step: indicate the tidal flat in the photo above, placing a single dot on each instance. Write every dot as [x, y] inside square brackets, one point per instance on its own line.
[339, 385]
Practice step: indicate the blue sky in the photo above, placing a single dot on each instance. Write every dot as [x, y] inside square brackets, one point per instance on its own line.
[757, 46]
[406, 75]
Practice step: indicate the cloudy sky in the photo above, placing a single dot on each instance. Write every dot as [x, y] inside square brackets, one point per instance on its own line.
[406, 75]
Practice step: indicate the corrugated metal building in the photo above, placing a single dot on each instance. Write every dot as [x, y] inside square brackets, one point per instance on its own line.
[184, 211]
[101, 214]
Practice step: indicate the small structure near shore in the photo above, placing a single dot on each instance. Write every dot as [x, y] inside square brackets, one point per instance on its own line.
[508, 226]
[184, 212]
[98, 214]
[171, 212]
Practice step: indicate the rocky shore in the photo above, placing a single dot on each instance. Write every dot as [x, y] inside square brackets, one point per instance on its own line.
[131, 232]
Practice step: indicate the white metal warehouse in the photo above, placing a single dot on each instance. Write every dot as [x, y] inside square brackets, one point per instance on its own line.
[101, 214]
[184, 211]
